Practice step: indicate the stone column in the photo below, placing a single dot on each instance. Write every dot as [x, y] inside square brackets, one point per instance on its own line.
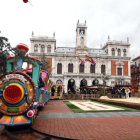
[98, 66]
[65, 83]
[77, 82]
[65, 65]
[89, 81]
[53, 65]
[129, 68]
[76, 65]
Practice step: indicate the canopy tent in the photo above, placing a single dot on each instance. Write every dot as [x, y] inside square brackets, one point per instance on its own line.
[97, 87]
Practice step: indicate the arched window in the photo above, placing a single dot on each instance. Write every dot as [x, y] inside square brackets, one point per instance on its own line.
[119, 52]
[82, 31]
[42, 48]
[59, 82]
[59, 68]
[103, 69]
[92, 68]
[124, 52]
[113, 51]
[49, 49]
[81, 68]
[70, 67]
[36, 48]
[95, 82]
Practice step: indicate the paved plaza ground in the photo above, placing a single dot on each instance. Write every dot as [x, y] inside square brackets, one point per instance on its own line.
[57, 119]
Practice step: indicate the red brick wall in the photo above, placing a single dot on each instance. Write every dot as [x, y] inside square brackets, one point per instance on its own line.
[125, 68]
[50, 64]
[113, 68]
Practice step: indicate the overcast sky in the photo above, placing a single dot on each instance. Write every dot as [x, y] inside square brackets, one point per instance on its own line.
[118, 18]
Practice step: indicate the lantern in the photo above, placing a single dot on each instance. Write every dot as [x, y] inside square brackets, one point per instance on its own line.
[25, 1]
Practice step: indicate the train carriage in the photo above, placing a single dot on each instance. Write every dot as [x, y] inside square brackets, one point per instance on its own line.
[19, 94]
[42, 92]
[57, 91]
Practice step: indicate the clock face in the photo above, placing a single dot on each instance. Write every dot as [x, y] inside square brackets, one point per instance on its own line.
[82, 38]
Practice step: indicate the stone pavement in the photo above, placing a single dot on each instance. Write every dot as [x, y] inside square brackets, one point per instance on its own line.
[57, 119]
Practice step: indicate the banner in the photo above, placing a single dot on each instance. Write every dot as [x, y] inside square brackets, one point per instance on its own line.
[81, 61]
[90, 60]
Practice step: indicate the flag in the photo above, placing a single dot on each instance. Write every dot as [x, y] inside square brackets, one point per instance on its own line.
[90, 60]
[81, 61]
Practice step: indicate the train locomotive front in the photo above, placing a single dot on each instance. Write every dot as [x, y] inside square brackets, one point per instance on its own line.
[18, 94]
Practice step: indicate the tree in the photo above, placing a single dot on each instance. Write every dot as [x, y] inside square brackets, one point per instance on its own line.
[5, 50]
[135, 84]
[45, 64]
[102, 91]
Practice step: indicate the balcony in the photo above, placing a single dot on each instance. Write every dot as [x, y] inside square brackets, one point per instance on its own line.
[83, 74]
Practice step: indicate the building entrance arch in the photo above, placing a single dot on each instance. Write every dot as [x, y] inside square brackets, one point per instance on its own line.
[83, 83]
[71, 85]
[95, 82]
[59, 82]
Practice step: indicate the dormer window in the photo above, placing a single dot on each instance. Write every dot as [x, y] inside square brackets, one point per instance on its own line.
[49, 49]
[113, 52]
[124, 52]
[119, 52]
[36, 48]
[42, 48]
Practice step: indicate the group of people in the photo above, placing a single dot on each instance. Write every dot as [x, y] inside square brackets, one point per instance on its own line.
[124, 93]
[90, 91]
[83, 91]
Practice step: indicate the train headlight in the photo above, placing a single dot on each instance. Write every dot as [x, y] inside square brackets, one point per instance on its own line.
[13, 93]
[30, 113]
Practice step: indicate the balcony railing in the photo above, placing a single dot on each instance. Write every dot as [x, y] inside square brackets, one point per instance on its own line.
[83, 74]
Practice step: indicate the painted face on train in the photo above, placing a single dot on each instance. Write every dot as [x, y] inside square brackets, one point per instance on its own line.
[17, 93]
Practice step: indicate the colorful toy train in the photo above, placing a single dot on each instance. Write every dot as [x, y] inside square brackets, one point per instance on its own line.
[21, 93]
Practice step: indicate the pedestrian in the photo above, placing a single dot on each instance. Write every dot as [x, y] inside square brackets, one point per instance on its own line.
[127, 93]
[123, 93]
[84, 91]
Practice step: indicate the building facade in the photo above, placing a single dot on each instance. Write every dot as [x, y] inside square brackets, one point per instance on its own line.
[135, 71]
[112, 60]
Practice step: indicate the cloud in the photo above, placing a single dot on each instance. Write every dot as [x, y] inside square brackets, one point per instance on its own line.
[119, 19]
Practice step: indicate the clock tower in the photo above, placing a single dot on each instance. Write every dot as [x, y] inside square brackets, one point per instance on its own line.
[81, 36]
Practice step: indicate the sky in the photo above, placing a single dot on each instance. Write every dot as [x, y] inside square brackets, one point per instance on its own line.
[117, 18]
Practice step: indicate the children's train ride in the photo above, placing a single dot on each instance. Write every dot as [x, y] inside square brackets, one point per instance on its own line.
[43, 94]
[57, 91]
[22, 92]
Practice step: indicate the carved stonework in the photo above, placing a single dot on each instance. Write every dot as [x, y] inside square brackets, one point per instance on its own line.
[119, 63]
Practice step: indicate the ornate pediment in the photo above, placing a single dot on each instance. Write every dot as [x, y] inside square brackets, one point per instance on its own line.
[119, 63]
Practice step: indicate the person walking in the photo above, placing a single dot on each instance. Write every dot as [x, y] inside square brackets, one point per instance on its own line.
[127, 93]
[123, 93]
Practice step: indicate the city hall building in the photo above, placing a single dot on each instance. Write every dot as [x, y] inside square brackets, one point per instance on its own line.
[112, 60]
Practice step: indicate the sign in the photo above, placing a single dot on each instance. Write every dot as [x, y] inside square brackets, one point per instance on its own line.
[13, 109]
[14, 76]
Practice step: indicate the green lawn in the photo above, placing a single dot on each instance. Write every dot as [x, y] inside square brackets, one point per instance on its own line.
[76, 109]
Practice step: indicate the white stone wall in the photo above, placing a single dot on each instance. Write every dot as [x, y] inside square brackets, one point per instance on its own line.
[46, 44]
